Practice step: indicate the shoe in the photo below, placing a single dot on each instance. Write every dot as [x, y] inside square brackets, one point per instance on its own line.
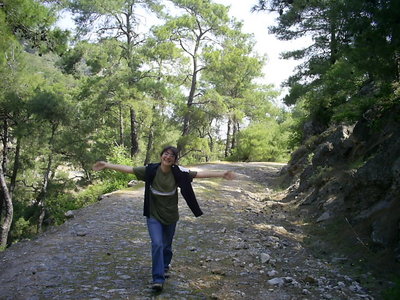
[157, 286]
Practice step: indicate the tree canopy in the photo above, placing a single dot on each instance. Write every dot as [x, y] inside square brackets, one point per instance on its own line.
[355, 49]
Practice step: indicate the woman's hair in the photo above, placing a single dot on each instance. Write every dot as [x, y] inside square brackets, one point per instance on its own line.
[173, 149]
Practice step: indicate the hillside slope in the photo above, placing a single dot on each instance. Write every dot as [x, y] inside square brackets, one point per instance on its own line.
[347, 179]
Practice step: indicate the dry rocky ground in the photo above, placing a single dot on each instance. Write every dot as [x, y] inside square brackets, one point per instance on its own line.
[247, 245]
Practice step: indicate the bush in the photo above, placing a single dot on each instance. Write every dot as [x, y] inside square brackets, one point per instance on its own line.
[262, 142]
[58, 204]
[21, 228]
[112, 180]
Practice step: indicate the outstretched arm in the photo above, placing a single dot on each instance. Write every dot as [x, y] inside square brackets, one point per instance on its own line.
[224, 174]
[101, 165]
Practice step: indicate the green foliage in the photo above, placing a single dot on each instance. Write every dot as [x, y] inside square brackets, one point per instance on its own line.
[197, 149]
[262, 142]
[353, 110]
[22, 228]
[31, 22]
[60, 203]
[113, 180]
[352, 60]
[49, 106]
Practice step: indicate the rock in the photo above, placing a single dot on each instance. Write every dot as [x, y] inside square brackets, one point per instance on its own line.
[339, 259]
[279, 281]
[132, 183]
[325, 216]
[341, 284]
[101, 197]
[241, 229]
[312, 128]
[309, 279]
[265, 257]
[306, 292]
[241, 245]
[69, 214]
[272, 273]
[355, 287]
[218, 272]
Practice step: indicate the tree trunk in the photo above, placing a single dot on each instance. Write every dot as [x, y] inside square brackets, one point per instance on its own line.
[121, 125]
[149, 146]
[211, 139]
[333, 42]
[193, 86]
[41, 198]
[14, 174]
[228, 138]
[9, 210]
[187, 117]
[4, 141]
[4, 152]
[234, 133]
[134, 136]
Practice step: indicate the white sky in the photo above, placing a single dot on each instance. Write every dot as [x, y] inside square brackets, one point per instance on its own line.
[276, 70]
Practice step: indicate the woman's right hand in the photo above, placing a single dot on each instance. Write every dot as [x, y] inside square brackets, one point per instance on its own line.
[100, 165]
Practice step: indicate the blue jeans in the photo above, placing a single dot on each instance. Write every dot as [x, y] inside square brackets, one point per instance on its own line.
[161, 247]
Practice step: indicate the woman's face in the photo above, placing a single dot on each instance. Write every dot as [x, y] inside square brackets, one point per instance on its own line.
[168, 158]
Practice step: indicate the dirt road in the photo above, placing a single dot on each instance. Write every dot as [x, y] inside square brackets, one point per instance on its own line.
[247, 245]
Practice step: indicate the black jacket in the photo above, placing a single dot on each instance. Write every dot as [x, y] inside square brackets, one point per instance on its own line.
[183, 181]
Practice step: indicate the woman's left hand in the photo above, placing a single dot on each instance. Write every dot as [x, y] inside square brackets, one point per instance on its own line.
[229, 175]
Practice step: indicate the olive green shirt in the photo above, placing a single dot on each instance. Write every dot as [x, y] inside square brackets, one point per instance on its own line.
[164, 208]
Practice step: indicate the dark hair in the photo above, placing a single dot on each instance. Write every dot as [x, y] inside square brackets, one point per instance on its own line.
[173, 149]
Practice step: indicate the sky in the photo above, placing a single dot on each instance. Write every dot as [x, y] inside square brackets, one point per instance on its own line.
[276, 70]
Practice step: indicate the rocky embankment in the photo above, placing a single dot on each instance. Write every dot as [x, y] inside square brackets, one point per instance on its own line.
[249, 244]
[347, 179]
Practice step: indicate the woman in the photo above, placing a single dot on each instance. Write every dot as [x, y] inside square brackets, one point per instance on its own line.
[161, 203]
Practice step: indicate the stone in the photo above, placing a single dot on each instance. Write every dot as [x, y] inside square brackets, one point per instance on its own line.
[325, 216]
[272, 273]
[276, 281]
[132, 183]
[265, 258]
[69, 214]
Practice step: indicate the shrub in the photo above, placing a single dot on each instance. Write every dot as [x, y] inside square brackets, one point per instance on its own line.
[21, 228]
[262, 142]
[112, 180]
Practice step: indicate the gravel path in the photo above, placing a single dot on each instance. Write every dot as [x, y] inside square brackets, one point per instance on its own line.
[247, 245]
